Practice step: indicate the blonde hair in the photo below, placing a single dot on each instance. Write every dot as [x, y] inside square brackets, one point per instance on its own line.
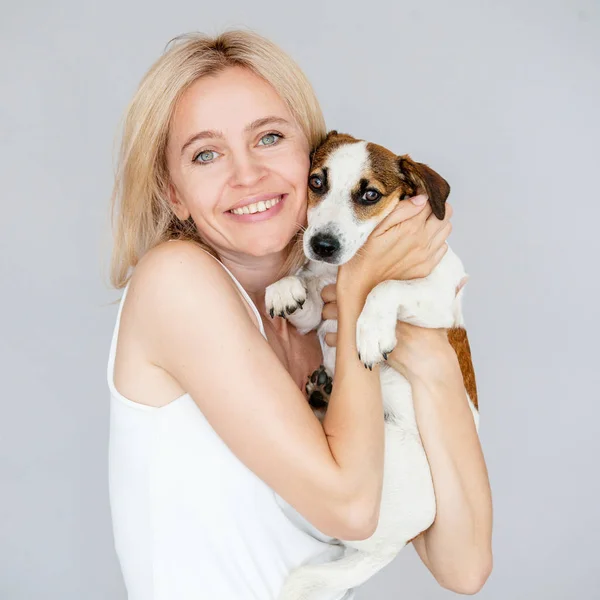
[145, 217]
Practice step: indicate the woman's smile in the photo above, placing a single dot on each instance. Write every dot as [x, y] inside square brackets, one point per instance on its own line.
[259, 211]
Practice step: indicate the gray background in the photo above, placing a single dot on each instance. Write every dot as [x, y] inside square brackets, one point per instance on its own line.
[500, 97]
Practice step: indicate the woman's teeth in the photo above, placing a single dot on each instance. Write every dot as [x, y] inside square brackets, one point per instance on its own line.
[258, 207]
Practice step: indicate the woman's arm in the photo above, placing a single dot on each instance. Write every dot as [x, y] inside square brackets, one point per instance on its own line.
[354, 424]
[457, 547]
[192, 323]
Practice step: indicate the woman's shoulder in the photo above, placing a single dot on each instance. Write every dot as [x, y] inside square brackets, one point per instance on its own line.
[173, 251]
[163, 285]
[176, 275]
[178, 263]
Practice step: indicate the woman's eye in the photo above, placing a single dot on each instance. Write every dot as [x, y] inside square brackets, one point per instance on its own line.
[371, 196]
[205, 156]
[270, 139]
[315, 182]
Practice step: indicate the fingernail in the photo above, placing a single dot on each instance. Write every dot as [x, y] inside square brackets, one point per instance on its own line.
[419, 200]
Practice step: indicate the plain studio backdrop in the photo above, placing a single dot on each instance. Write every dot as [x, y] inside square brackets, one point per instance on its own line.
[500, 97]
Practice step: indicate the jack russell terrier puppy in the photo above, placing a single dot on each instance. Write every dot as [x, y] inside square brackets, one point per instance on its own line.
[354, 185]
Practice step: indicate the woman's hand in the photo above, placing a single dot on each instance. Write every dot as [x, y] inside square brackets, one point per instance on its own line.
[329, 295]
[419, 351]
[407, 244]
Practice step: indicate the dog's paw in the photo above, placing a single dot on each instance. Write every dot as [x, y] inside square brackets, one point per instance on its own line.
[318, 390]
[375, 335]
[285, 296]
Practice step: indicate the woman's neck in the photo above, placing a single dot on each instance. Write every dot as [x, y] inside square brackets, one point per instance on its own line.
[255, 273]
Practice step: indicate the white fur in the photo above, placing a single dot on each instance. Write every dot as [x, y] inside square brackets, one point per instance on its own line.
[408, 500]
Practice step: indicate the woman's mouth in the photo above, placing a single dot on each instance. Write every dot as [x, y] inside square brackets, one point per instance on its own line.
[259, 210]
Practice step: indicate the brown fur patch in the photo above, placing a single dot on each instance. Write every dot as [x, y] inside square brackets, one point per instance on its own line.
[384, 175]
[384, 166]
[379, 210]
[329, 144]
[457, 336]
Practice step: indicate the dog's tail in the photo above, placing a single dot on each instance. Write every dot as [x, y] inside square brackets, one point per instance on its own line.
[312, 582]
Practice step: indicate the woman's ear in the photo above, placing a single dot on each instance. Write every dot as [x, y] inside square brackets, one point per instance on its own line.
[426, 180]
[180, 210]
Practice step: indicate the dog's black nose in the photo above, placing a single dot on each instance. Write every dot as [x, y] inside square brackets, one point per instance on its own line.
[325, 245]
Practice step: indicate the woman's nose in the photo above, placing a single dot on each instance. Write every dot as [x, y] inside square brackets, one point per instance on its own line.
[247, 170]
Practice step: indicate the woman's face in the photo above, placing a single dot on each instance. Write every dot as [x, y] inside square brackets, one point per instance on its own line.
[232, 142]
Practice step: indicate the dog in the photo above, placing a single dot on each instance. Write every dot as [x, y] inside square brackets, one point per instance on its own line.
[352, 186]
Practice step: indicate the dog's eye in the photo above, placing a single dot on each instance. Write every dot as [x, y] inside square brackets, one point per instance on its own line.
[371, 196]
[315, 182]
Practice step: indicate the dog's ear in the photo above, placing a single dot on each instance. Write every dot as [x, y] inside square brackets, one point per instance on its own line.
[426, 180]
[329, 135]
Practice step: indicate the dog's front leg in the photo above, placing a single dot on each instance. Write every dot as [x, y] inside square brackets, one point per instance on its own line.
[296, 298]
[419, 302]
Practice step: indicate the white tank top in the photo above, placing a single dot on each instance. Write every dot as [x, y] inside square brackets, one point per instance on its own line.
[190, 520]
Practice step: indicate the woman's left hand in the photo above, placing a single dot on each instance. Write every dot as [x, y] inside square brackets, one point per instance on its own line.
[330, 310]
[417, 351]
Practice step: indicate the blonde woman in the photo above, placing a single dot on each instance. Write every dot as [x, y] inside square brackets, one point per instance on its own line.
[221, 478]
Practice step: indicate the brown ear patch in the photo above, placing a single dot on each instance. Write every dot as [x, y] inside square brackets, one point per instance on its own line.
[425, 179]
[457, 336]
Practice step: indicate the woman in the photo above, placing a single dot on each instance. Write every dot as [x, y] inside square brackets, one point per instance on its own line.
[221, 478]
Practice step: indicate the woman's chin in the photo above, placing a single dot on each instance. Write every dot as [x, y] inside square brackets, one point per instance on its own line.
[268, 243]
[268, 247]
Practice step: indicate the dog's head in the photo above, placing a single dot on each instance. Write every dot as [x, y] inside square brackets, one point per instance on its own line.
[352, 186]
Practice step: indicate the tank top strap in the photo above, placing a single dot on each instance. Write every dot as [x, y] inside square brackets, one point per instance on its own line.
[113, 350]
[244, 294]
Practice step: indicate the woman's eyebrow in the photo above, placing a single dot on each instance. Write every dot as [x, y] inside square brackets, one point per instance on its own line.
[215, 134]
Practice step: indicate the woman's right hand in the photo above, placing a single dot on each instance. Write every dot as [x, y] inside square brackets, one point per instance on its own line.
[407, 244]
